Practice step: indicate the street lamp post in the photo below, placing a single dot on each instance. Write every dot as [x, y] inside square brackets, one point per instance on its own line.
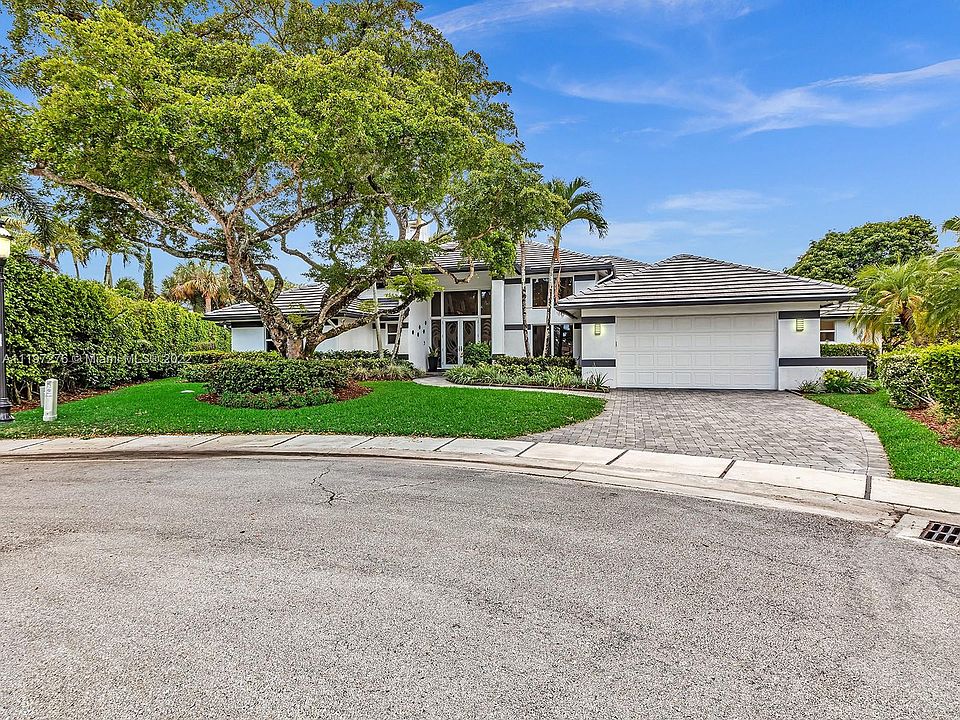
[5, 404]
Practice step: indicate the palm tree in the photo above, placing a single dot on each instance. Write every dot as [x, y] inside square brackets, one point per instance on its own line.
[897, 293]
[943, 290]
[18, 195]
[198, 281]
[580, 204]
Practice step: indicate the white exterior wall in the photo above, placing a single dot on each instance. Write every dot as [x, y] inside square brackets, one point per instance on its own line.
[846, 333]
[247, 339]
[792, 377]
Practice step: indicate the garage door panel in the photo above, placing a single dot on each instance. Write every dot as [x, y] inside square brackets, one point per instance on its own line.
[698, 351]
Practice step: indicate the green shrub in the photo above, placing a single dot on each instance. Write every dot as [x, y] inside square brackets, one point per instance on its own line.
[238, 375]
[489, 374]
[904, 377]
[86, 335]
[206, 357]
[809, 386]
[870, 352]
[536, 364]
[276, 400]
[349, 355]
[941, 365]
[477, 353]
[194, 372]
[843, 381]
[596, 382]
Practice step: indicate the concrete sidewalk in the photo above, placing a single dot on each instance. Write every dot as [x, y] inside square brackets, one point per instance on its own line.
[639, 468]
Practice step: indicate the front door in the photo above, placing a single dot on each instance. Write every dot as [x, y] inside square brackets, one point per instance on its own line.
[457, 334]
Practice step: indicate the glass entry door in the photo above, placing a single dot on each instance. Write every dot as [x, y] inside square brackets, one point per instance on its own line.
[457, 334]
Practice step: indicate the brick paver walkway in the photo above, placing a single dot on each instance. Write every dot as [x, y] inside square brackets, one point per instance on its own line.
[770, 427]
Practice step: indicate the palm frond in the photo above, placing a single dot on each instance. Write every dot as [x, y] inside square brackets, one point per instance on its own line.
[25, 201]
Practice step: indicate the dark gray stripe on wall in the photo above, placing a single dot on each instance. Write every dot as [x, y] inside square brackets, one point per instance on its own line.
[598, 363]
[854, 361]
[582, 278]
[512, 281]
[246, 324]
[513, 327]
[599, 319]
[798, 314]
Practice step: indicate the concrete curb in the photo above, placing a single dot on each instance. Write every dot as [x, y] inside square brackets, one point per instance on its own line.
[835, 493]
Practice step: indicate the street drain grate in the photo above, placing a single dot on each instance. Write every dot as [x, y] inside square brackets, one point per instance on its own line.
[941, 533]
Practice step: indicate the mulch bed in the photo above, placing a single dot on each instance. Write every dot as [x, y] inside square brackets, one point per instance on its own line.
[947, 431]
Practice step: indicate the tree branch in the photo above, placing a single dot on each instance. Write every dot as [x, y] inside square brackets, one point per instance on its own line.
[126, 198]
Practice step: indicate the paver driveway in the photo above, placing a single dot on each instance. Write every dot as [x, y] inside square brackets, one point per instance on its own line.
[771, 427]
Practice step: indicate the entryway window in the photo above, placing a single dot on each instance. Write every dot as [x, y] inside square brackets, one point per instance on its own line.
[459, 318]
[828, 331]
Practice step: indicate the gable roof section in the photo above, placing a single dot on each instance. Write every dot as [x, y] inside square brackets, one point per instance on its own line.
[305, 300]
[693, 280]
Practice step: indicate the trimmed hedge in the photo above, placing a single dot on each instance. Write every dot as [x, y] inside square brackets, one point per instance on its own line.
[477, 353]
[488, 374]
[237, 375]
[86, 335]
[941, 364]
[866, 350]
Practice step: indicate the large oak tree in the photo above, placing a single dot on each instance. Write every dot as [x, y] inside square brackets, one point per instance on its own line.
[333, 134]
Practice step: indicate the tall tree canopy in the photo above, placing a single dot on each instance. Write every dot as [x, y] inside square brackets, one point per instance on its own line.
[332, 134]
[839, 256]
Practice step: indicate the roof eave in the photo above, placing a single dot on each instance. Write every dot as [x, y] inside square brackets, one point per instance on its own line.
[754, 300]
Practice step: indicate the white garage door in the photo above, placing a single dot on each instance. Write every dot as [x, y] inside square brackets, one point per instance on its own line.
[698, 351]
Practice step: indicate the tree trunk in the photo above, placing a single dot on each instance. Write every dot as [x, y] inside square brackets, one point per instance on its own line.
[76, 268]
[523, 296]
[551, 296]
[208, 303]
[396, 345]
[108, 271]
[376, 324]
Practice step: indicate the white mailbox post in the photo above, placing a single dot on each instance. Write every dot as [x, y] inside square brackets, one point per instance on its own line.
[49, 397]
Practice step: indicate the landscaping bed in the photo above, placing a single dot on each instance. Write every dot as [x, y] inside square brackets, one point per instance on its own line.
[390, 408]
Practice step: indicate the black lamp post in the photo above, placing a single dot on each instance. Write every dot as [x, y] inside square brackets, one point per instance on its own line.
[5, 404]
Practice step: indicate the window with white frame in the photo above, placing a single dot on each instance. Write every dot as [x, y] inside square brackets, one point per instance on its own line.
[828, 331]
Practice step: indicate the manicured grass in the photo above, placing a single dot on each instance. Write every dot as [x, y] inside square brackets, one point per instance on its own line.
[914, 449]
[392, 408]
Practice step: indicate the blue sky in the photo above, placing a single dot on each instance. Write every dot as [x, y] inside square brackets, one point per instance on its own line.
[730, 128]
[734, 129]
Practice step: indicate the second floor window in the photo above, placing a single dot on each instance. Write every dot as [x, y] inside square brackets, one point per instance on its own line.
[541, 288]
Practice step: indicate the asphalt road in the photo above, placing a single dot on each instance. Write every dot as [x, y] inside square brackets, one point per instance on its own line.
[348, 589]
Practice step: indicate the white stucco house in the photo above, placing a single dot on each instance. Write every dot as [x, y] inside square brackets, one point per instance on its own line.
[684, 322]
[837, 326]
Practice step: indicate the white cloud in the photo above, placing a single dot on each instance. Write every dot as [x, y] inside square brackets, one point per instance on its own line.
[487, 14]
[869, 100]
[544, 125]
[718, 201]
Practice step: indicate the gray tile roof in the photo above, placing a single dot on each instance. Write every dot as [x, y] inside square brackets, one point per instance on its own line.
[840, 310]
[623, 266]
[305, 300]
[693, 280]
[538, 259]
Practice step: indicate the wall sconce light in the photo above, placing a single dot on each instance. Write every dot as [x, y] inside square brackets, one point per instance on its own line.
[596, 328]
[798, 324]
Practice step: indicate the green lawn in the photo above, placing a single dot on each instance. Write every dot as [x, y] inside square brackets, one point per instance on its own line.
[914, 449]
[392, 408]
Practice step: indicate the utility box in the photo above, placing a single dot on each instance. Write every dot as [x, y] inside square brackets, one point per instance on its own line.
[48, 397]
